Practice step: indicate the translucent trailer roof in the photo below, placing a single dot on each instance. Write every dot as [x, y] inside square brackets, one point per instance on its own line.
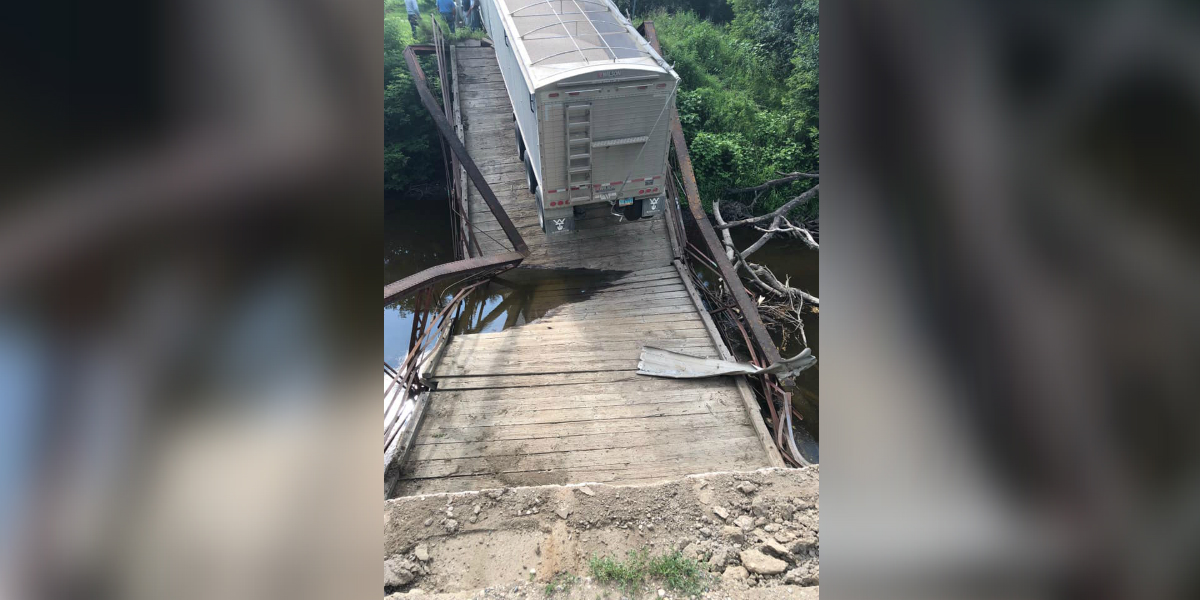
[563, 38]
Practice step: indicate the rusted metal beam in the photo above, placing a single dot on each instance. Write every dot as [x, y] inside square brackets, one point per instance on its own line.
[460, 151]
[459, 268]
[747, 307]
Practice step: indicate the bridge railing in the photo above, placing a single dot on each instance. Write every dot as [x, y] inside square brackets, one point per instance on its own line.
[405, 392]
[696, 245]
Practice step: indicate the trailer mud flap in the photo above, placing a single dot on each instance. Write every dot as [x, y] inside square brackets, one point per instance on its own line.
[653, 206]
[558, 222]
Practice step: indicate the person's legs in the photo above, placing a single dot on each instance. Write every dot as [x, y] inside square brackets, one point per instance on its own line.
[448, 17]
[414, 21]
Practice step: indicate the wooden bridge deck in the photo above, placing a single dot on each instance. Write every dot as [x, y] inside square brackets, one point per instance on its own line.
[557, 399]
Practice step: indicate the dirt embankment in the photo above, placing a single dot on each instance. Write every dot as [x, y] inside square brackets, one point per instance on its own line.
[754, 534]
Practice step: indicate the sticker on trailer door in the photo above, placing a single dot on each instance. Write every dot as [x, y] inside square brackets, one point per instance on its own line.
[607, 195]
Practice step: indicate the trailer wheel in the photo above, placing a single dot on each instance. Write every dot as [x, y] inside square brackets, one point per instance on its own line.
[633, 212]
[529, 178]
[520, 140]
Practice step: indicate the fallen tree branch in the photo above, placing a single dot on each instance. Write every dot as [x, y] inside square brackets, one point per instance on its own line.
[730, 249]
[765, 277]
[762, 241]
[791, 229]
[787, 178]
[781, 211]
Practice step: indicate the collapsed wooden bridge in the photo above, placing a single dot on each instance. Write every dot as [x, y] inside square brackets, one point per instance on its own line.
[557, 399]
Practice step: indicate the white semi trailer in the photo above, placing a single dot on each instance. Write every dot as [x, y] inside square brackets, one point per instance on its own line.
[590, 99]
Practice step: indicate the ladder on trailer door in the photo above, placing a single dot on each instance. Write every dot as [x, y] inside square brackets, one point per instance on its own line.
[579, 152]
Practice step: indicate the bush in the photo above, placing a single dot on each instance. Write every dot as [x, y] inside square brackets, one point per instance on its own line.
[746, 117]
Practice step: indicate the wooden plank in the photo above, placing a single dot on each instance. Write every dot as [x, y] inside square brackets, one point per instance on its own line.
[685, 329]
[531, 364]
[749, 401]
[555, 417]
[672, 293]
[594, 441]
[638, 260]
[613, 278]
[459, 382]
[691, 330]
[531, 360]
[448, 406]
[597, 285]
[619, 305]
[586, 392]
[464, 345]
[666, 469]
[641, 318]
[558, 316]
[540, 351]
[545, 300]
[451, 435]
[692, 452]
[667, 319]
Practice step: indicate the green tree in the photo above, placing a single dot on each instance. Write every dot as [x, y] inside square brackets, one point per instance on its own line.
[746, 118]
[410, 152]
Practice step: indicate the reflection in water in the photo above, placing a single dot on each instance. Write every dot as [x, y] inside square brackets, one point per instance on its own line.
[520, 296]
[417, 236]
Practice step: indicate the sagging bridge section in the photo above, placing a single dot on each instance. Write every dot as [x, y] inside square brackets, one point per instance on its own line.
[557, 399]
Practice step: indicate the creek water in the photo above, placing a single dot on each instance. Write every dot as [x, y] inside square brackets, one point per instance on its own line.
[417, 236]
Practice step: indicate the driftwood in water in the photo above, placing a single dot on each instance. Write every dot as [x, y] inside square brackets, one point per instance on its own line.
[779, 301]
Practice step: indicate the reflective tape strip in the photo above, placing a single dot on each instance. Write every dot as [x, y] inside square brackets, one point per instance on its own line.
[641, 139]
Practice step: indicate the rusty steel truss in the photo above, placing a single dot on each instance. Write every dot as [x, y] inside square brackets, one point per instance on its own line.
[693, 237]
[406, 393]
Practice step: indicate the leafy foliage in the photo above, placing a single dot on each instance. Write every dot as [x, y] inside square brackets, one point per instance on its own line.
[718, 11]
[410, 143]
[561, 582]
[672, 570]
[774, 27]
[410, 152]
[748, 115]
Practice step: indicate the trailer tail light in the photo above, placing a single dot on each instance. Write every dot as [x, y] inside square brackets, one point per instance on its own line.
[642, 87]
[661, 85]
[572, 93]
[554, 95]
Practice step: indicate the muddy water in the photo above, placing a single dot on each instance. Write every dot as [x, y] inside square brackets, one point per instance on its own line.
[417, 236]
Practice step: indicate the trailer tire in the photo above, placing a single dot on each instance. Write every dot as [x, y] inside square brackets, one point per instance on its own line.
[633, 212]
[529, 177]
[537, 197]
[520, 140]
